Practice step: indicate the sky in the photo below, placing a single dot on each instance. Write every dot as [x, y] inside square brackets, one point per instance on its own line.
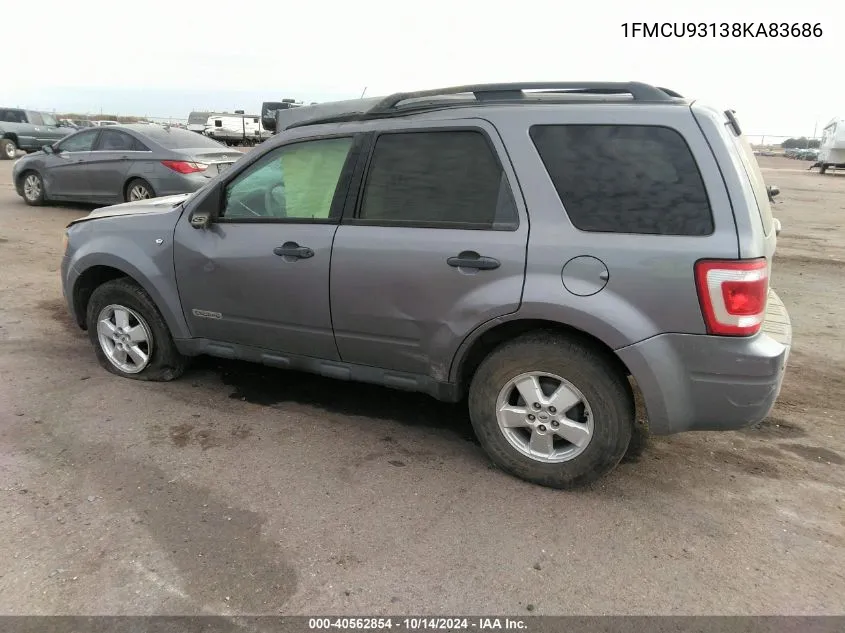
[164, 59]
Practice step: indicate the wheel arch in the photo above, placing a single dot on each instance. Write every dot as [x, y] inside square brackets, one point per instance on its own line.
[94, 272]
[492, 334]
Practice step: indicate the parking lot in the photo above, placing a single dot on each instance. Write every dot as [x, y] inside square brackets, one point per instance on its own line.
[241, 489]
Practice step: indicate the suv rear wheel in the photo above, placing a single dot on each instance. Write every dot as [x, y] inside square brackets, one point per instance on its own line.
[551, 410]
[129, 334]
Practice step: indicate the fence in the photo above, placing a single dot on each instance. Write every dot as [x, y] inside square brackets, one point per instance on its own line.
[773, 141]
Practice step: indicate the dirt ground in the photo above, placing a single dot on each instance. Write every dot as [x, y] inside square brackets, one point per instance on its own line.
[238, 489]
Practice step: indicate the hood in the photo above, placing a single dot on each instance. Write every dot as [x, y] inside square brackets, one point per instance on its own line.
[139, 207]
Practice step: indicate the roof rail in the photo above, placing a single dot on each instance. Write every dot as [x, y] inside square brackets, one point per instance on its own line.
[488, 92]
[375, 107]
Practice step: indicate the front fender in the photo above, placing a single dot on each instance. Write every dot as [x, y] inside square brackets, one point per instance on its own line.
[141, 258]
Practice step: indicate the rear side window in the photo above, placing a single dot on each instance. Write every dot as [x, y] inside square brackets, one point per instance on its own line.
[448, 179]
[625, 178]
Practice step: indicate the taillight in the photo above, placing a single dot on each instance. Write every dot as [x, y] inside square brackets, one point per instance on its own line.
[733, 295]
[184, 166]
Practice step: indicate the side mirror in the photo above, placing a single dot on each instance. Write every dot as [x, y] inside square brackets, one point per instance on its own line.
[204, 214]
[48, 149]
[777, 226]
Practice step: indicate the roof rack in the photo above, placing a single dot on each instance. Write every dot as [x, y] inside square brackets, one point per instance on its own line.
[375, 107]
[495, 92]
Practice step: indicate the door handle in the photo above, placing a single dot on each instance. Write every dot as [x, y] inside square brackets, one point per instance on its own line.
[292, 249]
[471, 259]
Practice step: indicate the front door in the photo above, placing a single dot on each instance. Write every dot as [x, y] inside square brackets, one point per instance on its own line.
[52, 131]
[259, 274]
[65, 174]
[435, 247]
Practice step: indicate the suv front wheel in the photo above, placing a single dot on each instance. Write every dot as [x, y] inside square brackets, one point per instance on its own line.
[129, 334]
[551, 410]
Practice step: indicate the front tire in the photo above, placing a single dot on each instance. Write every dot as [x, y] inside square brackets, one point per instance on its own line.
[129, 335]
[33, 189]
[139, 189]
[8, 149]
[551, 410]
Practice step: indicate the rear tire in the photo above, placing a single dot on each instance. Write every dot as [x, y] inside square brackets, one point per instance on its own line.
[822, 168]
[601, 421]
[135, 342]
[138, 189]
[8, 149]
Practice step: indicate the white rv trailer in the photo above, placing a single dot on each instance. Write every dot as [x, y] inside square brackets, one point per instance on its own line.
[235, 129]
[197, 121]
[832, 147]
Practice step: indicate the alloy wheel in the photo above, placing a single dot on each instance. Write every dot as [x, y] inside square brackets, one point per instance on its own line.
[544, 417]
[32, 187]
[125, 338]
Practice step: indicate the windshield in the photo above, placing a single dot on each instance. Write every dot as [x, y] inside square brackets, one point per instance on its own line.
[176, 138]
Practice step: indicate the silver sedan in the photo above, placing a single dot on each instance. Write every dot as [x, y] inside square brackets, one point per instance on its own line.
[120, 163]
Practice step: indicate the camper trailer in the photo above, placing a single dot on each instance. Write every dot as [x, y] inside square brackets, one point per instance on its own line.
[197, 121]
[235, 129]
[832, 148]
[270, 109]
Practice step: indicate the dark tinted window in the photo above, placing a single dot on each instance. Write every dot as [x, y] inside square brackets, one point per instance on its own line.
[625, 178]
[79, 142]
[14, 116]
[437, 178]
[114, 141]
[176, 138]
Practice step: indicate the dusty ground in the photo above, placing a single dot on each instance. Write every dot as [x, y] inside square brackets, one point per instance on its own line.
[239, 489]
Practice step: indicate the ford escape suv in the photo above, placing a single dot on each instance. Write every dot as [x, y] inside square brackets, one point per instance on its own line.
[541, 250]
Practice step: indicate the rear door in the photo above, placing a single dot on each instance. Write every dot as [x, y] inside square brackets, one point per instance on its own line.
[109, 163]
[432, 247]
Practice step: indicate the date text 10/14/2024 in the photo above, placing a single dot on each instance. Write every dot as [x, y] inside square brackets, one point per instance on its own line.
[772, 30]
[419, 624]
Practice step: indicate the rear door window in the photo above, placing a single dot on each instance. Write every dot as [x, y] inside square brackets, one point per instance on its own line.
[448, 179]
[114, 141]
[635, 179]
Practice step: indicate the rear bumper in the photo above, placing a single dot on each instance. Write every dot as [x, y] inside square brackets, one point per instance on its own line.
[711, 383]
[175, 184]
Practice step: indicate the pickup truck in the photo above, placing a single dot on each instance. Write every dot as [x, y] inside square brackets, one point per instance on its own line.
[28, 130]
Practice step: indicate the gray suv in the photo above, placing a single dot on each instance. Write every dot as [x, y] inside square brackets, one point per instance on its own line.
[542, 250]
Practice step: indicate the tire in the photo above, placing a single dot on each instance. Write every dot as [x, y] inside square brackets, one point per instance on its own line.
[135, 187]
[163, 360]
[822, 168]
[605, 414]
[8, 149]
[33, 188]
